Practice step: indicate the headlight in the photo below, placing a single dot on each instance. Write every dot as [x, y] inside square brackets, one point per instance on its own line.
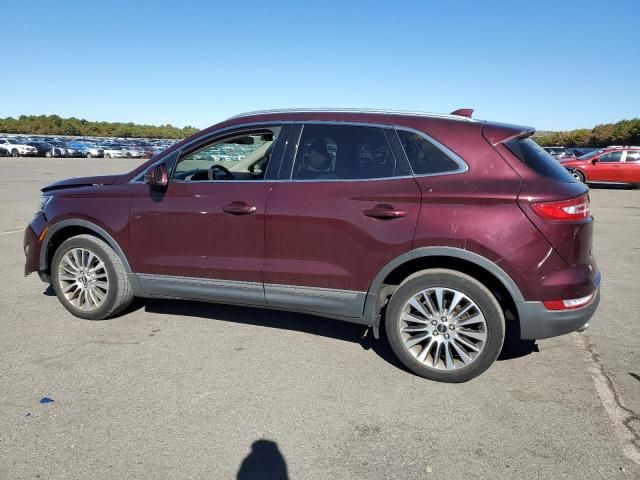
[44, 201]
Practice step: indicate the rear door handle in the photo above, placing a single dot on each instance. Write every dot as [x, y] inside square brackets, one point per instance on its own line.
[239, 208]
[384, 212]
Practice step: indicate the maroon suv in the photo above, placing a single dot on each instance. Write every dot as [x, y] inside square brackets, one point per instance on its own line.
[436, 228]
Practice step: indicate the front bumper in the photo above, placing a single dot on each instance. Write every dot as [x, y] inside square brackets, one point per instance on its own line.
[537, 322]
[33, 236]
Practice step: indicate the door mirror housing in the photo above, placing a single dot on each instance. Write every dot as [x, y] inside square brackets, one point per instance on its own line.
[594, 161]
[157, 177]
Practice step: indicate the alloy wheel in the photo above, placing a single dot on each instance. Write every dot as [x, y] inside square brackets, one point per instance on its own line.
[443, 328]
[83, 279]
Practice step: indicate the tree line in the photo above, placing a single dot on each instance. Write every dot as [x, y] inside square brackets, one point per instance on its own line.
[55, 125]
[625, 132]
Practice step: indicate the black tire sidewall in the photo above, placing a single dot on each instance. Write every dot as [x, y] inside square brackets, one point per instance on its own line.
[474, 290]
[112, 294]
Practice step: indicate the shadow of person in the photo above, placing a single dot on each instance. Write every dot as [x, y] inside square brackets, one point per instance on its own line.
[264, 462]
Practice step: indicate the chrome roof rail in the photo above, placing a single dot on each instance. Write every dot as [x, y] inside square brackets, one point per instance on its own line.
[354, 110]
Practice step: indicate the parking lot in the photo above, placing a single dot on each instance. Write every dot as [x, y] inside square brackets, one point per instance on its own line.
[184, 389]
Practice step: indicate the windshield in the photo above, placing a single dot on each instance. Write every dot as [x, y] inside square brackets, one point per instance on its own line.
[586, 156]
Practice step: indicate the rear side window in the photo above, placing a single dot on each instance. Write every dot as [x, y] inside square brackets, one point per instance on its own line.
[536, 158]
[425, 158]
[633, 156]
[340, 152]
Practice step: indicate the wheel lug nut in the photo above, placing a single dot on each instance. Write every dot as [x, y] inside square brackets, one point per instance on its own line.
[451, 327]
[433, 322]
[444, 319]
[435, 333]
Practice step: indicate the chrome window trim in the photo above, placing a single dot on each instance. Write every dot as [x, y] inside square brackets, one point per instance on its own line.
[462, 165]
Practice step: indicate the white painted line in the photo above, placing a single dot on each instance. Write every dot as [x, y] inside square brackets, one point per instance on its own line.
[11, 232]
[623, 418]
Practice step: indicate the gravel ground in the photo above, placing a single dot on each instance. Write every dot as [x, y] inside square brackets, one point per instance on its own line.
[185, 390]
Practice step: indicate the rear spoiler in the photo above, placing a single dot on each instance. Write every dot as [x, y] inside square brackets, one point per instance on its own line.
[496, 133]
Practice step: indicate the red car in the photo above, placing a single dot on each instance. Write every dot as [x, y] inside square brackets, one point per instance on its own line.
[610, 165]
[436, 229]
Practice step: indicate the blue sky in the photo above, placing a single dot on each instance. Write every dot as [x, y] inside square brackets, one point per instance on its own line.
[553, 65]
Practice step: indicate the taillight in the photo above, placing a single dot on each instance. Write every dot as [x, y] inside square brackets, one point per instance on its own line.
[569, 304]
[574, 209]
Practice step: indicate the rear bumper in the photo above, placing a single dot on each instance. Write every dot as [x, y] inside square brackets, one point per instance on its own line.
[537, 322]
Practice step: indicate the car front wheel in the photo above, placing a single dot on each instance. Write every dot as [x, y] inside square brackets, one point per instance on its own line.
[445, 325]
[89, 278]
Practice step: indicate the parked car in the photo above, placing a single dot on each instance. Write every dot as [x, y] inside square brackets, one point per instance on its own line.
[44, 149]
[88, 150]
[132, 152]
[17, 147]
[618, 165]
[436, 229]
[61, 146]
[4, 151]
[559, 153]
[112, 151]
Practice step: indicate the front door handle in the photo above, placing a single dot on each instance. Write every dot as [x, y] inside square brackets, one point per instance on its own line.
[239, 208]
[384, 212]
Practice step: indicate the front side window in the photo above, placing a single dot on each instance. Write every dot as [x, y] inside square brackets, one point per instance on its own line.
[339, 152]
[425, 158]
[242, 156]
[611, 157]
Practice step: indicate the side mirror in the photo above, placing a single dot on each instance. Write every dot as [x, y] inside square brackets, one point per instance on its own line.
[157, 177]
[594, 161]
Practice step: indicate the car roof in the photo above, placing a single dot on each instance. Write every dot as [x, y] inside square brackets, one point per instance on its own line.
[364, 112]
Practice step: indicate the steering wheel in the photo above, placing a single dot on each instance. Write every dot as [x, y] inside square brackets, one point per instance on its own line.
[213, 173]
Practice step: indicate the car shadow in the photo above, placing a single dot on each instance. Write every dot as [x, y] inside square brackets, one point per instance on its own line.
[362, 335]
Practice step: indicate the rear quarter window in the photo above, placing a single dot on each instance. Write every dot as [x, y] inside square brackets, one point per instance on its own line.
[536, 158]
[425, 157]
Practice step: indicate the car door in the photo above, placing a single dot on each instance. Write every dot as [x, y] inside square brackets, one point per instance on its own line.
[606, 168]
[203, 237]
[631, 167]
[345, 206]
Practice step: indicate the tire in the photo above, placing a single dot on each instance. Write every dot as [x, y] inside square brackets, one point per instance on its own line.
[107, 155]
[48, 154]
[15, 153]
[483, 318]
[578, 175]
[117, 294]
[89, 155]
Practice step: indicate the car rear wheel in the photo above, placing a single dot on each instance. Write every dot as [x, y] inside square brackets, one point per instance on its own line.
[89, 155]
[89, 278]
[578, 175]
[107, 155]
[15, 153]
[48, 154]
[444, 325]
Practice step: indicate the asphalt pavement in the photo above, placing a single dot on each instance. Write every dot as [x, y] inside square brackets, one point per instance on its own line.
[191, 390]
